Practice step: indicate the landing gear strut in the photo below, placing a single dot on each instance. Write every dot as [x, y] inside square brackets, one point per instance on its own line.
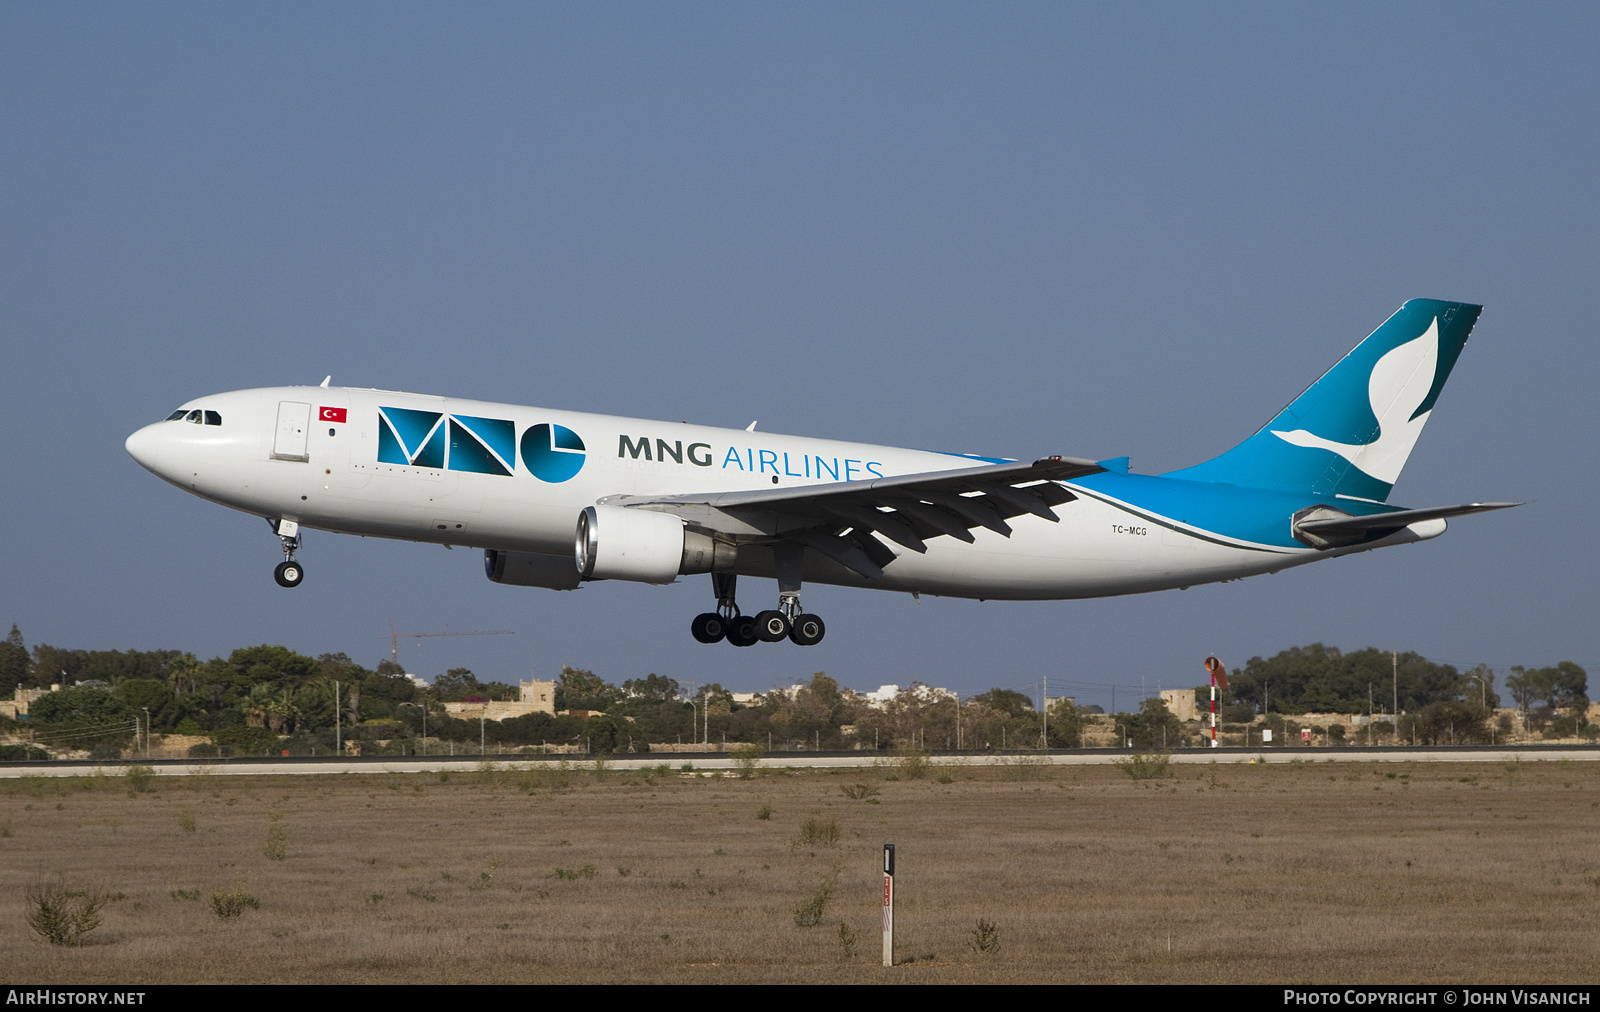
[288, 573]
[787, 620]
[713, 626]
[802, 629]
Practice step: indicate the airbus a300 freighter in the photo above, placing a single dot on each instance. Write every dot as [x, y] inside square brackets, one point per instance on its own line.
[558, 498]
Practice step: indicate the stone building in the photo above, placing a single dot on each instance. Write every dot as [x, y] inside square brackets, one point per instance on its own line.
[537, 696]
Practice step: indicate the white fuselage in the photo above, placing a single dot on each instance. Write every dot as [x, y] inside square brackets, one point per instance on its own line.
[1100, 546]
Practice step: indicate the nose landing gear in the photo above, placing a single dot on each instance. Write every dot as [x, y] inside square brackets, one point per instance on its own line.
[288, 573]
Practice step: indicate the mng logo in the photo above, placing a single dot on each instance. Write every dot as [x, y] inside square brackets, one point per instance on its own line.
[553, 453]
[413, 438]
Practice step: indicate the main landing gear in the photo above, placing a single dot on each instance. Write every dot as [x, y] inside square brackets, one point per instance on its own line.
[786, 621]
[288, 573]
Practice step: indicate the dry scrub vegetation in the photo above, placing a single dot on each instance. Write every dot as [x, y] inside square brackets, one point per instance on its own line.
[1309, 872]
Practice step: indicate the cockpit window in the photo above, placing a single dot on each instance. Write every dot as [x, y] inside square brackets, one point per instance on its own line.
[197, 416]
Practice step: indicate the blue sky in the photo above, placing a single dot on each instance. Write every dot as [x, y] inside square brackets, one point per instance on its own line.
[1003, 229]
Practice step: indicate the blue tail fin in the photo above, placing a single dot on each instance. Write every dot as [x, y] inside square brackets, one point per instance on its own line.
[1352, 430]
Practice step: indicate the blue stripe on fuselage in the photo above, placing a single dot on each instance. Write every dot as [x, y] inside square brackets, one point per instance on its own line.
[1255, 515]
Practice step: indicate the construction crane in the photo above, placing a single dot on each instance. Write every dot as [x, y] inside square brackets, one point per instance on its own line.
[395, 638]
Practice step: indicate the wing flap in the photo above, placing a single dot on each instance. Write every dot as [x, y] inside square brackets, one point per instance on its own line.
[887, 524]
[964, 479]
[846, 552]
[908, 509]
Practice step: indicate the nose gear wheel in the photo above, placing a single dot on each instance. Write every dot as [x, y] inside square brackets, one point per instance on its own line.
[288, 574]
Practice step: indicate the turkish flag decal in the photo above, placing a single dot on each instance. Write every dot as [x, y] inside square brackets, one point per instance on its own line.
[332, 415]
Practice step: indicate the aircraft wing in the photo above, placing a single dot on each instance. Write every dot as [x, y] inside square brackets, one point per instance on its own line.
[844, 520]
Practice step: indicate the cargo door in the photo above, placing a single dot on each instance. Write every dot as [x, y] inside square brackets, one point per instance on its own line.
[294, 423]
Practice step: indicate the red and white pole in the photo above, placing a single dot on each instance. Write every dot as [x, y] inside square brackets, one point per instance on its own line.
[888, 904]
[1219, 676]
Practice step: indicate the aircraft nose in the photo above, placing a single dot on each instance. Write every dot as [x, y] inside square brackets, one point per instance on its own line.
[145, 446]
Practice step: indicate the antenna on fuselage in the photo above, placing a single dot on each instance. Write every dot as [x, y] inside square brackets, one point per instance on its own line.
[751, 427]
[325, 380]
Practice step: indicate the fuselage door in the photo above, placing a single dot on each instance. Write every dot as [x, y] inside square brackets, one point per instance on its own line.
[294, 421]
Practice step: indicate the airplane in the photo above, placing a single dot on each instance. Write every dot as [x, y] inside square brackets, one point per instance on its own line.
[557, 499]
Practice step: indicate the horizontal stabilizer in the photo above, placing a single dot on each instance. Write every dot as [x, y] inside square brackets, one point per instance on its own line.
[1326, 527]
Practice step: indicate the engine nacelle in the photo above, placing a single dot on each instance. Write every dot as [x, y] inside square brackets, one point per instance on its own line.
[617, 543]
[530, 569]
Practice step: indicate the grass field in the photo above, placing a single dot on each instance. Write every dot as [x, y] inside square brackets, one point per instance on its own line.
[1293, 872]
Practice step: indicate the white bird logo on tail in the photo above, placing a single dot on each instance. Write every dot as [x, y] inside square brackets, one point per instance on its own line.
[1400, 383]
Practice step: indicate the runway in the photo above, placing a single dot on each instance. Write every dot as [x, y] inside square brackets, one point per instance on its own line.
[706, 763]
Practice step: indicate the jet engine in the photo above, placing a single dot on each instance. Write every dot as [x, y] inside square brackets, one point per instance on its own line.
[530, 569]
[617, 543]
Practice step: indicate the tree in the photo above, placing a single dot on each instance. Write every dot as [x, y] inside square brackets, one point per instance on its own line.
[1007, 701]
[15, 666]
[914, 716]
[1569, 684]
[601, 732]
[458, 684]
[237, 739]
[143, 694]
[1564, 685]
[273, 663]
[584, 690]
[1154, 726]
[652, 687]
[1479, 686]
[1322, 679]
[84, 716]
[383, 693]
[336, 664]
[1448, 722]
[810, 715]
[273, 707]
[1066, 725]
[653, 710]
[80, 706]
[821, 693]
[317, 704]
[68, 667]
[1526, 687]
[52, 665]
[183, 674]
